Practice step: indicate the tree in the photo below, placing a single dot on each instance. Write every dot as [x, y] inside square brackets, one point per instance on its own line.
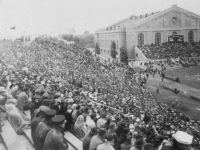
[84, 40]
[86, 32]
[68, 37]
[97, 49]
[113, 52]
[123, 55]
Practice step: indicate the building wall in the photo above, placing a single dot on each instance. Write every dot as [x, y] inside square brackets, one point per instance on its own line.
[165, 26]
[162, 22]
[104, 40]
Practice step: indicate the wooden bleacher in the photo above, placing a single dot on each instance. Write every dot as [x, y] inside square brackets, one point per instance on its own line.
[10, 138]
[73, 141]
[27, 133]
[2, 144]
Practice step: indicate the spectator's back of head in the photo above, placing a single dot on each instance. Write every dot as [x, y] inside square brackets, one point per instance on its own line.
[103, 115]
[112, 125]
[86, 109]
[128, 140]
[93, 116]
[94, 130]
[78, 107]
[110, 137]
[148, 146]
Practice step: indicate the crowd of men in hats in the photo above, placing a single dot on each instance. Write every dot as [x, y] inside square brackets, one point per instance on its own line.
[185, 54]
[66, 88]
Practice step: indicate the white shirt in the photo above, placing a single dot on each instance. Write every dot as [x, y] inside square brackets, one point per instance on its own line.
[101, 122]
[90, 123]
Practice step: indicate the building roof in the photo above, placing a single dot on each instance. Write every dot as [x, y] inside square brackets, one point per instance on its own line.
[129, 20]
[174, 7]
[135, 21]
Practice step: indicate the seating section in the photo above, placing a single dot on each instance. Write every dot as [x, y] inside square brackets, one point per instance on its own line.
[14, 142]
[27, 133]
[2, 146]
[77, 145]
[10, 137]
[73, 141]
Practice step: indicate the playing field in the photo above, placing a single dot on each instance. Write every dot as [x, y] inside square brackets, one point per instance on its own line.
[189, 76]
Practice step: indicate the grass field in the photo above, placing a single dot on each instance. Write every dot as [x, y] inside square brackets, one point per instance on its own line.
[188, 106]
[189, 76]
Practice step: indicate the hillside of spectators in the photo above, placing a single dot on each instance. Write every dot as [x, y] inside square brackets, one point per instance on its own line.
[94, 97]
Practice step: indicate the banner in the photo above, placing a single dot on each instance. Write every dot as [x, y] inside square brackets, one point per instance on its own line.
[13, 28]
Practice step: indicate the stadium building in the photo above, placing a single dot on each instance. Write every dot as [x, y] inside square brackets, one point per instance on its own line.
[171, 25]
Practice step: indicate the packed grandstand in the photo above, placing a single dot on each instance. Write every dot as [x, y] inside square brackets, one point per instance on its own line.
[186, 54]
[67, 88]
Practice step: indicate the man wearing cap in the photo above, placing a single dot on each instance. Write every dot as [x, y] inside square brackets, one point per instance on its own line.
[87, 138]
[55, 137]
[42, 129]
[39, 119]
[97, 139]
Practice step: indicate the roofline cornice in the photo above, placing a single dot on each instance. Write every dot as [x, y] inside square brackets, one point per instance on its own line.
[160, 14]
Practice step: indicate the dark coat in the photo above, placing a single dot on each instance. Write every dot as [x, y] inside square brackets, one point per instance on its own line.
[55, 140]
[34, 124]
[40, 134]
[86, 141]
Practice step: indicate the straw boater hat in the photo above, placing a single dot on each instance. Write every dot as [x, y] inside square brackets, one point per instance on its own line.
[2, 89]
[183, 138]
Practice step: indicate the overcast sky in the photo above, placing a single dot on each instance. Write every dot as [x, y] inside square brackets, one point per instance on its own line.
[57, 16]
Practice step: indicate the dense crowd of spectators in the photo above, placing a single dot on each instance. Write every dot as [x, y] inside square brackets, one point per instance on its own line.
[66, 88]
[186, 54]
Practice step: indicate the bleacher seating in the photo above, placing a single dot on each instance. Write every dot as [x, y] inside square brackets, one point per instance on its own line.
[73, 141]
[2, 146]
[10, 137]
[27, 133]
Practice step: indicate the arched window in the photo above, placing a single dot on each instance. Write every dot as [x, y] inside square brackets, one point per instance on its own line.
[174, 33]
[157, 38]
[141, 39]
[191, 36]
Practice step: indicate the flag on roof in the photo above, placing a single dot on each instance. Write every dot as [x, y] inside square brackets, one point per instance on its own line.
[13, 28]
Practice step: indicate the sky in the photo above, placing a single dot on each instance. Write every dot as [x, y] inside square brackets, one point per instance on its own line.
[55, 17]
